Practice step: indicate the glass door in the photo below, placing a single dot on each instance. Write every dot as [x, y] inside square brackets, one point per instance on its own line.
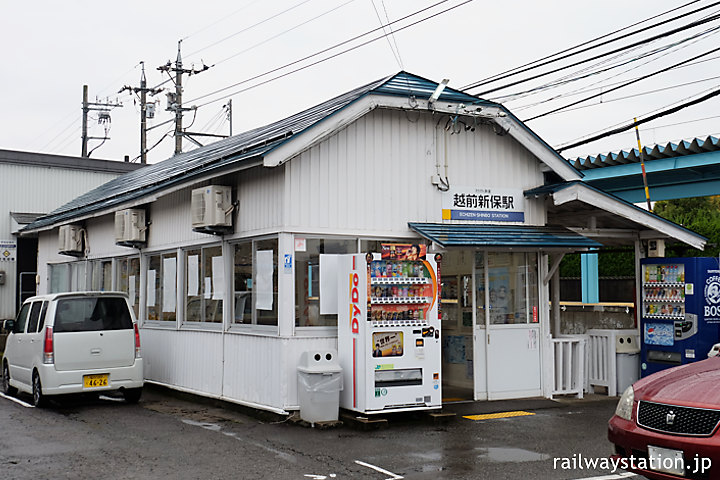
[512, 325]
[479, 328]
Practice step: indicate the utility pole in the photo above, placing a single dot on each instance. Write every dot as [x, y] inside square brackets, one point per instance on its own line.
[175, 99]
[228, 108]
[103, 118]
[144, 114]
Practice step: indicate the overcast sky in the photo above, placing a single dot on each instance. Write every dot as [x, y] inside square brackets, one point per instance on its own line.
[51, 49]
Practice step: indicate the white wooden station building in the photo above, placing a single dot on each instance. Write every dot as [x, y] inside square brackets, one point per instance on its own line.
[226, 282]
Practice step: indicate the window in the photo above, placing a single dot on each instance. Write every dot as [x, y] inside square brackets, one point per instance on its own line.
[92, 315]
[243, 281]
[21, 319]
[101, 275]
[59, 278]
[255, 278]
[161, 295]
[204, 285]
[265, 291]
[128, 280]
[77, 277]
[512, 279]
[307, 280]
[34, 317]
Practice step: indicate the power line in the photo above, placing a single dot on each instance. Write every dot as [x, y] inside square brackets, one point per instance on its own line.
[607, 42]
[507, 73]
[622, 85]
[249, 28]
[284, 32]
[627, 97]
[326, 50]
[624, 128]
[596, 57]
[591, 88]
[221, 20]
[683, 43]
[387, 37]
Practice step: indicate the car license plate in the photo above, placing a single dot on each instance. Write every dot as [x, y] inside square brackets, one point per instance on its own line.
[95, 381]
[666, 460]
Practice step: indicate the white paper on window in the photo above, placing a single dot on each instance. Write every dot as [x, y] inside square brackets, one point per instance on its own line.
[329, 284]
[151, 288]
[193, 276]
[264, 280]
[218, 278]
[208, 288]
[169, 285]
[131, 289]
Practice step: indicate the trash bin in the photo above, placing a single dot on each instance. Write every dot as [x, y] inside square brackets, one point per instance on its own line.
[319, 383]
[627, 351]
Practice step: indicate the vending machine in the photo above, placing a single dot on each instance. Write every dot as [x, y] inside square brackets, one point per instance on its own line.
[389, 330]
[680, 318]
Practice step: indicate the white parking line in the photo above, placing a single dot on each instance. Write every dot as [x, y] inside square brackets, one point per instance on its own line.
[393, 476]
[611, 477]
[24, 404]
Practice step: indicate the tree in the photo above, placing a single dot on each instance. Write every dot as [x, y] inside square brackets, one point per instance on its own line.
[701, 215]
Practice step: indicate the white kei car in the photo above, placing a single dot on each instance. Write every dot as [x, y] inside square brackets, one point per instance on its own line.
[74, 342]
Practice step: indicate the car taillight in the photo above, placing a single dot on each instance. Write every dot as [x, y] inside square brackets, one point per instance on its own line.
[137, 342]
[48, 348]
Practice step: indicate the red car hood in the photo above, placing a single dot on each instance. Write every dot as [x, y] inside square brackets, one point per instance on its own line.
[695, 384]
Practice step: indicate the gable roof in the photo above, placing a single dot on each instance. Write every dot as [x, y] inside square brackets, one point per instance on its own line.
[579, 202]
[286, 138]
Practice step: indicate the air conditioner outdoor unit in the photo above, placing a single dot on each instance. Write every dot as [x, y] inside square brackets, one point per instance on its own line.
[130, 227]
[70, 240]
[211, 208]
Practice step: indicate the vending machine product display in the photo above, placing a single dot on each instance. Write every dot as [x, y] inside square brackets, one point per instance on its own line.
[389, 330]
[680, 310]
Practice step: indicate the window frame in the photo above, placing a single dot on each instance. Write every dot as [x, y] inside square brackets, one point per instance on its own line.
[203, 323]
[145, 268]
[308, 330]
[254, 327]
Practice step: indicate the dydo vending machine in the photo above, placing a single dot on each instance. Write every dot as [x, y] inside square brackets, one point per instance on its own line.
[389, 330]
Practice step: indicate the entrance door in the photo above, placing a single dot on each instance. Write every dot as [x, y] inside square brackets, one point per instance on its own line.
[479, 329]
[512, 330]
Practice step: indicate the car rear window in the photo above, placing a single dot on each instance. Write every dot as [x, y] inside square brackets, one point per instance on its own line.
[92, 314]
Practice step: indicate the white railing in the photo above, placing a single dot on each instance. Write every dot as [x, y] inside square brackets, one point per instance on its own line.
[602, 358]
[569, 365]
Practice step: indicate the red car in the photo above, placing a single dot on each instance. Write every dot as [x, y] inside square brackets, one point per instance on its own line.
[666, 425]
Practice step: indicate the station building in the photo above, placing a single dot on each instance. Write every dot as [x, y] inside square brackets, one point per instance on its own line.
[219, 248]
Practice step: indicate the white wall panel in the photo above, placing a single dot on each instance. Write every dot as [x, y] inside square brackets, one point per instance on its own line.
[374, 176]
[257, 369]
[263, 370]
[186, 359]
[260, 196]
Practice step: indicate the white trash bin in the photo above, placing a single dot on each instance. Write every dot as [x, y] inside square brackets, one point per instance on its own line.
[319, 384]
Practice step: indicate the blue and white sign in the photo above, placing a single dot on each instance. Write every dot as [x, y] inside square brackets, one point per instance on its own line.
[288, 263]
[484, 204]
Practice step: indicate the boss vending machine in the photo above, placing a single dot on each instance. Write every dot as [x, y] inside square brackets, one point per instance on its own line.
[389, 330]
[680, 311]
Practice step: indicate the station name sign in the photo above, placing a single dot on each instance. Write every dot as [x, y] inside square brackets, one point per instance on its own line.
[483, 204]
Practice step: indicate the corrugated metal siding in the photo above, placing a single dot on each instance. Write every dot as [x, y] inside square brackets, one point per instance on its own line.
[263, 370]
[187, 359]
[374, 176]
[101, 238]
[40, 190]
[260, 195]
[172, 221]
[257, 369]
